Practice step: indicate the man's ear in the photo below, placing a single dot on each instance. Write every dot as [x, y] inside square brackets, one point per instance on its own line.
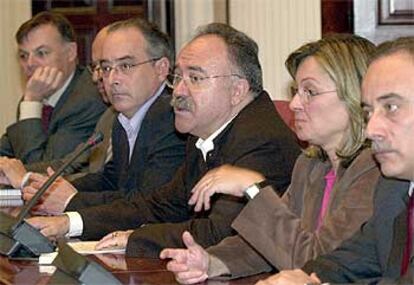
[72, 51]
[162, 67]
[240, 90]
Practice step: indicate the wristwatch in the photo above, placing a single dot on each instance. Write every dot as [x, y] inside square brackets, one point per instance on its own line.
[254, 189]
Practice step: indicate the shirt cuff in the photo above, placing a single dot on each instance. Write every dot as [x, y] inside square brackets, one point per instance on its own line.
[75, 224]
[30, 110]
[216, 267]
[69, 199]
[25, 180]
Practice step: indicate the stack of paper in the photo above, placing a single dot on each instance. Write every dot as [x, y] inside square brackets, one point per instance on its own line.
[10, 198]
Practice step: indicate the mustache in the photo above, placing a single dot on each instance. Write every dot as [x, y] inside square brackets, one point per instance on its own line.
[380, 146]
[182, 103]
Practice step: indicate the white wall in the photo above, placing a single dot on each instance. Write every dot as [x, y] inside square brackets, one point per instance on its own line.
[279, 27]
[12, 14]
[366, 19]
[189, 14]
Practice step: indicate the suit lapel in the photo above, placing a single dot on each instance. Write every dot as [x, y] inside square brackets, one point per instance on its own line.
[314, 194]
[398, 244]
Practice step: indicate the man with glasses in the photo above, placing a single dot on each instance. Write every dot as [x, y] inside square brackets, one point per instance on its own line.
[60, 105]
[147, 150]
[218, 98]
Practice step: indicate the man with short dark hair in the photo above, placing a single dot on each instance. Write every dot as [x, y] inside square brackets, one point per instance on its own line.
[382, 252]
[218, 98]
[60, 105]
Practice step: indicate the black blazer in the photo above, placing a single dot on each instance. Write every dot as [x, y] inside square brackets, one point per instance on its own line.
[257, 139]
[159, 150]
[73, 120]
[375, 252]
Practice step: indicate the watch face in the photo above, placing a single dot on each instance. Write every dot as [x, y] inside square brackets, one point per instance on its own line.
[252, 191]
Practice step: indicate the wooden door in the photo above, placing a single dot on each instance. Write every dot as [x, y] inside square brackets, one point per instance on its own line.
[89, 16]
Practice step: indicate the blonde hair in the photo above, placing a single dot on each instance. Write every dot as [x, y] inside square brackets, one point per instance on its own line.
[345, 58]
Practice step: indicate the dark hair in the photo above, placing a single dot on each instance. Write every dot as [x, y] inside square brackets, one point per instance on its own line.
[159, 43]
[242, 50]
[345, 59]
[403, 44]
[47, 18]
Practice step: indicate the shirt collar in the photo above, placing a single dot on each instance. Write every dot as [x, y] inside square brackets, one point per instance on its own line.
[132, 125]
[53, 99]
[208, 144]
[411, 188]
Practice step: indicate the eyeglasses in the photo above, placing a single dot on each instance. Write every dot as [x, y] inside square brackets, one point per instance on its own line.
[124, 68]
[305, 94]
[194, 81]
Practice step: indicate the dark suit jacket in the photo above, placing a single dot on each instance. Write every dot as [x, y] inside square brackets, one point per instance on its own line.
[90, 161]
[257, 139]
[72, 122]
[159, 150]
[376, 251]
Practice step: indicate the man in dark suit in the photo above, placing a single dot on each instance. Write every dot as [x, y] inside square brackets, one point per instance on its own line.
[382, 252]
[93, 160]
[147, 150]
[12, 170]
[218, 98]
[60, 104]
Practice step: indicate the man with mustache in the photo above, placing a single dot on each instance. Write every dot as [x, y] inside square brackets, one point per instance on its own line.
[219, 100]
[382, 252]
[60, 105]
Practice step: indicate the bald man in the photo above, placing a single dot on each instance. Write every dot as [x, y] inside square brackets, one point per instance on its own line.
[95, 67]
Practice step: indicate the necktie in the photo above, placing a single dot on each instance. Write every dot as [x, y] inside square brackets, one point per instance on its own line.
[46, 115]
[410, 235]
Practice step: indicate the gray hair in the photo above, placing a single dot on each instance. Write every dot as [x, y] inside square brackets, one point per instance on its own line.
[242, 50]
[159, 43]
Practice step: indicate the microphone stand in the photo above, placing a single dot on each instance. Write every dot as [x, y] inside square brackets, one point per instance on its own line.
[18, 238]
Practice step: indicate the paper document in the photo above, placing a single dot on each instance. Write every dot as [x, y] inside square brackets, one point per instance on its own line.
[8, 194]
[88, 247]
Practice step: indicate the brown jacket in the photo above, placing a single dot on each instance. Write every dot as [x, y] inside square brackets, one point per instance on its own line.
[282, 231]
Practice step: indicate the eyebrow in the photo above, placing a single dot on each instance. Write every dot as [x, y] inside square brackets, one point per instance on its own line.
[42, 46]
[127, 57]
[382, 98]
[311, 80]
[388, 96]
[193, 68]
[36, 49]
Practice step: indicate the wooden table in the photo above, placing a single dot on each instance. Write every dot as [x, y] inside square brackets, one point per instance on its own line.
[127, 270]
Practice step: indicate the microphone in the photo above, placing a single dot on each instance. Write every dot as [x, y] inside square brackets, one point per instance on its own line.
[73, 268]
[18, 238]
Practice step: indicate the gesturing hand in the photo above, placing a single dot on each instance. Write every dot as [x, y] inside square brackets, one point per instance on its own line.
[189, 265]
